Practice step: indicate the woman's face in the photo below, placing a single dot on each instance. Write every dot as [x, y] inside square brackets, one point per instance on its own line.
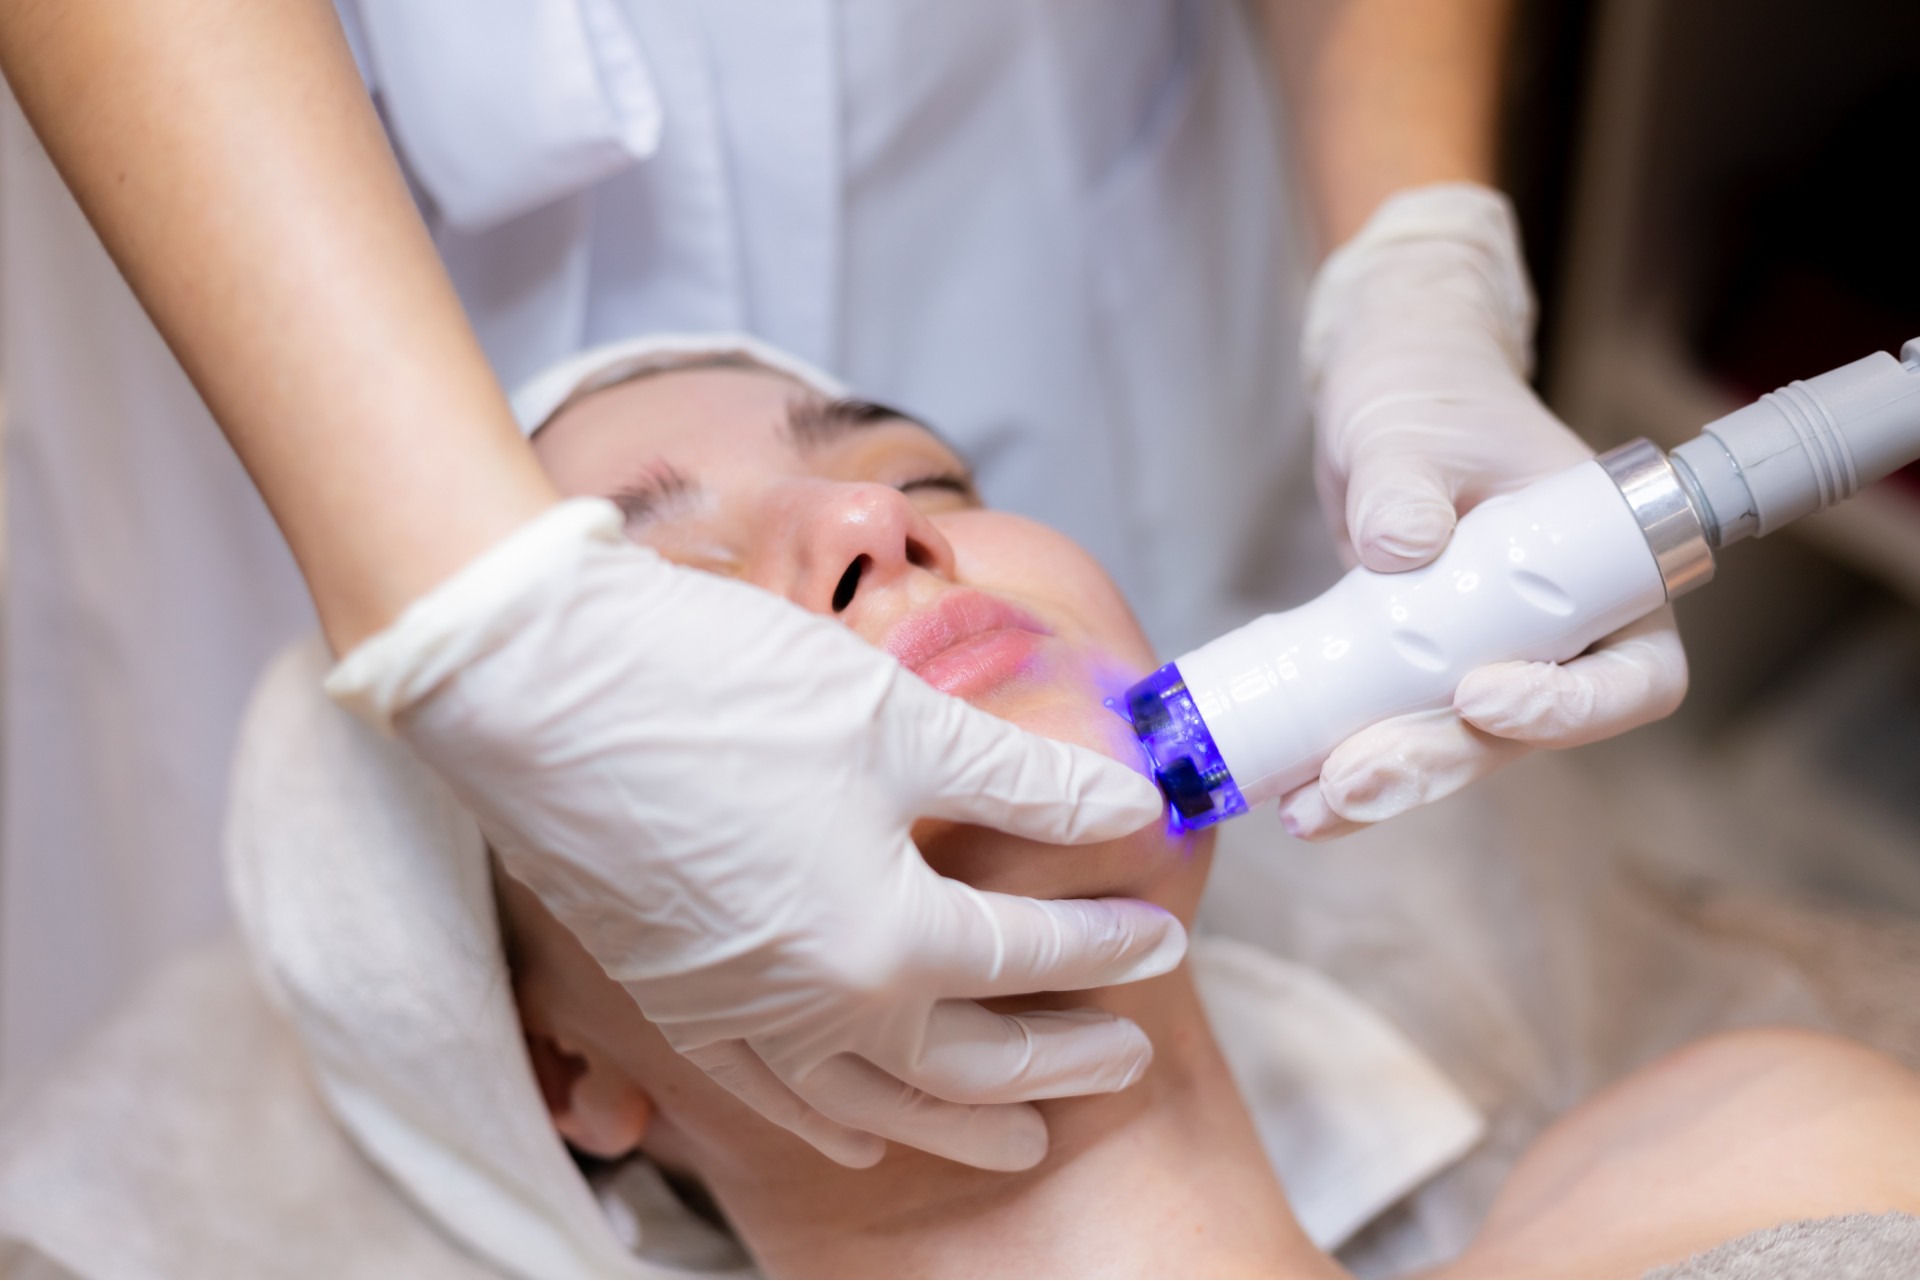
[856, 513]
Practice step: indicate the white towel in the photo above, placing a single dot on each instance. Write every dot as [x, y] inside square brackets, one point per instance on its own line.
[1352, 1116]
[363, 890]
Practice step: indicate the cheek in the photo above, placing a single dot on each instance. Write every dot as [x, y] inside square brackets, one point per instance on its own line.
[1067, 700]
[1051, 575]
[1098, 649]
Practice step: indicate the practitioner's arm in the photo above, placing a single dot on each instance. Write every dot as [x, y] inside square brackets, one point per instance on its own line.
[1383, 95]
[1417, 348]
[228, 156]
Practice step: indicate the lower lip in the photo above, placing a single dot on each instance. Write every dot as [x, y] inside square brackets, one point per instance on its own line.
[981, 663]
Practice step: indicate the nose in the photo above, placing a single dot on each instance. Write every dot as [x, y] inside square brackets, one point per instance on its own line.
[844, 541]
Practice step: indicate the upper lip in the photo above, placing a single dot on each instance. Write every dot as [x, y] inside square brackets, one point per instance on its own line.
[957, 616]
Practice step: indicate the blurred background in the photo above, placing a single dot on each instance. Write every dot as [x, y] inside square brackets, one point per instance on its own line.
[1716, 197]
[1719, 198]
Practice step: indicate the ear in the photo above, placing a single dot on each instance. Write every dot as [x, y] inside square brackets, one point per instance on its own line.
[595, 1106]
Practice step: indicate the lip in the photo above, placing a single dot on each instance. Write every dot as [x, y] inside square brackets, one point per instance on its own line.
[966, 641]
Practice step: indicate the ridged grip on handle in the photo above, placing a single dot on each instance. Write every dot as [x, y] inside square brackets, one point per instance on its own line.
[1805, 447]
[1540, 575]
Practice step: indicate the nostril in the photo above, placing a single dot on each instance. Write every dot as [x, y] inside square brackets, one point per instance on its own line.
[849, 583]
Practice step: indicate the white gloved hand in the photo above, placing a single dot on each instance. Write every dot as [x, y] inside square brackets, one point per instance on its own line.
[713, 789]
[1417, 348]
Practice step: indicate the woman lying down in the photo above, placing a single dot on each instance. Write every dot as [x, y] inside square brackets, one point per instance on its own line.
[463, 1089]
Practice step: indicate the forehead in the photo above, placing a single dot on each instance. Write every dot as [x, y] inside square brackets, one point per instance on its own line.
[684, 412]
[725, 423]
[721, 425]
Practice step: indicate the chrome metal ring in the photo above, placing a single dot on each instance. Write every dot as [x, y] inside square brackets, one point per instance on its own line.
[1675, 534]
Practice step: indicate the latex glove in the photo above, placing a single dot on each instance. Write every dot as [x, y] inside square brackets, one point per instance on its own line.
[1417, 349]
[713, 789]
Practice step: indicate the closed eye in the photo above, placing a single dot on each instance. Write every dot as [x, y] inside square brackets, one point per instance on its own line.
[661, 487]
[952, 482]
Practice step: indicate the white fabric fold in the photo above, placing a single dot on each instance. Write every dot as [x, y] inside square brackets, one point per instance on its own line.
[1352, 1116]
[505, 106]
[364, 893]
[542, 396]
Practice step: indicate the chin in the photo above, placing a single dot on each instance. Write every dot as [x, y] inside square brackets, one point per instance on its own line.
[1078, 720]
[1066, 699]
[1150, 864]
[1146, 864]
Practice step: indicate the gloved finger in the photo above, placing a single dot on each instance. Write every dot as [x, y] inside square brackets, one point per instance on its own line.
[1390, 768]
[735, 1066]
[1400, 514]
[980, 944]
[972, 1055]
[1305, 814]
[852, 1091]
[1633, 677]
[960, 763]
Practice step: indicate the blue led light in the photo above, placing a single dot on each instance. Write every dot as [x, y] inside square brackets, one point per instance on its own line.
[1186, 764]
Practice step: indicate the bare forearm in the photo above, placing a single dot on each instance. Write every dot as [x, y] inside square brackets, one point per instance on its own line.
[1386, 94]
[228, 157]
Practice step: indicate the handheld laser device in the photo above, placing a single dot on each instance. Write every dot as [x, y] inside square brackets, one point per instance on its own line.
[1539, 574]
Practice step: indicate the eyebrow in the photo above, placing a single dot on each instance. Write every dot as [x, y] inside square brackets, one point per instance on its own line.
[814, 422]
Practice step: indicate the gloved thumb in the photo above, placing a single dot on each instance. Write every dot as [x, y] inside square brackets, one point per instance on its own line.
[962, 764]
[1399, 515]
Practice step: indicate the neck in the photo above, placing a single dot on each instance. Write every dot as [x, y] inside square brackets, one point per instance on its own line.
[1165, 1178]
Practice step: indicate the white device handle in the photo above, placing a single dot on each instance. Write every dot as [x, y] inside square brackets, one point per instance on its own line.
[1537, 575]
[1540, 574]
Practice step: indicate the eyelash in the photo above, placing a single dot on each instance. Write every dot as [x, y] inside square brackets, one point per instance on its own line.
[661, 486]
[665, 483]
[957, 482]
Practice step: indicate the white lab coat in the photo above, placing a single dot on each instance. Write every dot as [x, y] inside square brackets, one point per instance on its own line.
[1054, 228]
